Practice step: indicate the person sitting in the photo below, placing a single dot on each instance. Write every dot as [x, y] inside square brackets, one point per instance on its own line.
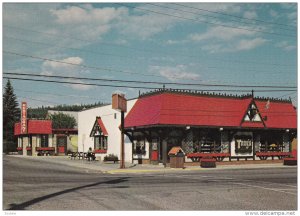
[90, 156]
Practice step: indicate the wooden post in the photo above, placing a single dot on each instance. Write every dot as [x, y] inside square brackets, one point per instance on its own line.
[164, 148]
[122, 159]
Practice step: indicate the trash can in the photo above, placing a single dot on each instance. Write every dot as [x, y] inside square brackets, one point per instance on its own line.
[176, 155]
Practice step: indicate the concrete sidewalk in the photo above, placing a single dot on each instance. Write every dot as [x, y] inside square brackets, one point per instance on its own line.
[113, 168]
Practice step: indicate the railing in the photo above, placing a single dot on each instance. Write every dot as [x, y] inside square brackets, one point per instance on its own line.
[195, 157]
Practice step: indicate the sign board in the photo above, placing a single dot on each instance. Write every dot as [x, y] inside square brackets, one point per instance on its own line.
[24, 118]
[243, 144]
[119, 102]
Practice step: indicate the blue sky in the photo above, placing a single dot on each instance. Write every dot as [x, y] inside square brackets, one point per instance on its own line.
[189, 45]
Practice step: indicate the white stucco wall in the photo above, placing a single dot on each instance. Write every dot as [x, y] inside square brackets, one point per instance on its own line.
[86, 120]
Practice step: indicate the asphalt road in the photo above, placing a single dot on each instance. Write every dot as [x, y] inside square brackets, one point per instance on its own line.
[39, 185]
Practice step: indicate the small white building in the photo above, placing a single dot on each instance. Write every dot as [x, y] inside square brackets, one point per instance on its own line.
[105, 139]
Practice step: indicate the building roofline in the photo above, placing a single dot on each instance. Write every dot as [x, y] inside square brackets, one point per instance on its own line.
[210, 94]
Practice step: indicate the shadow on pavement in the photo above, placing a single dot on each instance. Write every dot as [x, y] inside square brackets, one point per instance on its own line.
[22, 206]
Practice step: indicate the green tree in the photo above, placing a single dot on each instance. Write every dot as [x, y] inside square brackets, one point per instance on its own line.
[61, 120]
[11, 114]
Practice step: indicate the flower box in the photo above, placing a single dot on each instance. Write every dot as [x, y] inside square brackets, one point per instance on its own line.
[19, 149]
[208, 162]
[28, 148]
[101, 151]
[45, 148]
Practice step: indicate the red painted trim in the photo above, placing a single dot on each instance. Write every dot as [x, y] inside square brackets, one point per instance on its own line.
[191, 155]
[45, 148]
[102, 151]
[19, 149]
[290, 159]
[258, 154]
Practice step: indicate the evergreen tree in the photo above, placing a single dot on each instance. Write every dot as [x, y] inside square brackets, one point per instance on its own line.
[61, 120]
[11, 114]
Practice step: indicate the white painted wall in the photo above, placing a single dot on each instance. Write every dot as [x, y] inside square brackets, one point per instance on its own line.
[86, 120]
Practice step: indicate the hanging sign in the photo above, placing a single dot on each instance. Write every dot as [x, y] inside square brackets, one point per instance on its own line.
[243, 144]
[24, 118]
[119, 102]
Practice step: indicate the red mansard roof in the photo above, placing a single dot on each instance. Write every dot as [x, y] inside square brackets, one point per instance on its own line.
[279, 115]
[206, 110]
[35, 127]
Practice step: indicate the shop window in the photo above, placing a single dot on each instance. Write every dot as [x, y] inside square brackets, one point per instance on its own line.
[100, 142]
[30, 141]
[139, 146]
[44, 141]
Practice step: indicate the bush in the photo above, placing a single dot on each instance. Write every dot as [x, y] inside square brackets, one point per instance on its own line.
[111, 157]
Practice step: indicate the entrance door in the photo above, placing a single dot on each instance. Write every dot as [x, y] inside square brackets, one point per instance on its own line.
[61, 145]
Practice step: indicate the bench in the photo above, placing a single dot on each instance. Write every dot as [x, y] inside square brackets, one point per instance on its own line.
[265, 155]
[90, 156]
[195, 157]
[73, 155]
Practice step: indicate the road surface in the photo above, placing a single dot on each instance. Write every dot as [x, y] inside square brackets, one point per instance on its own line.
[39, 185]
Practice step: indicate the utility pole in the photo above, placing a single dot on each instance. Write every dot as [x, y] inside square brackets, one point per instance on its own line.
[119, 103]
[122, 161]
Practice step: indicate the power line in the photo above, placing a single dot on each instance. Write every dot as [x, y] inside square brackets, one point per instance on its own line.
[151, 51]
[205, 15]
[143, 87]
[200, 21]
[108, 54]
[51, 102]
[146, 82]
[286, 95]
[239, 17]
[62, 95]
[127, 72]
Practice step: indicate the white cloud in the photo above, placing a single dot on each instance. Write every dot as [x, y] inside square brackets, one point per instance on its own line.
[250, 44]
[145, 26]
[61, 69]
[77, 15]
[221, 33]
[174, 73]
[286, 46]
[87, 22]
[234, 46]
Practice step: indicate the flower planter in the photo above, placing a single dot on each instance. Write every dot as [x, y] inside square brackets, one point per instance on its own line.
[45, 148]
[101, 151]
[208, 163]
[290, 161]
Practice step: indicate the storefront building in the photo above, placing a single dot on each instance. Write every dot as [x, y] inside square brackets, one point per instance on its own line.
[36, 138]
[98, 128]
[202, 124]
[41, 139]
